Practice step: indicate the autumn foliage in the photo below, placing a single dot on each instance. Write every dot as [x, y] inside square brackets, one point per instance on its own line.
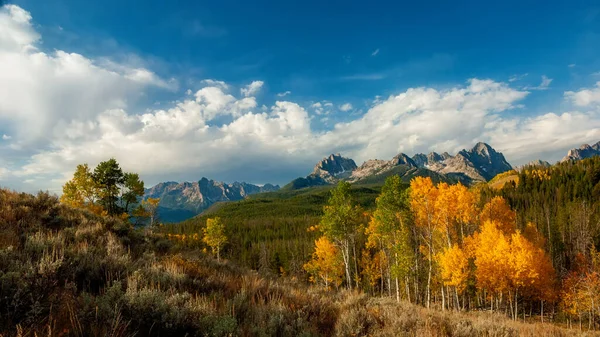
[437, 244]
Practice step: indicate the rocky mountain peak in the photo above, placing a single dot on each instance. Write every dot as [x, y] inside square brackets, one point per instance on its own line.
[483, 149]
[403, 159]
[480, 163]
[584, 151]
[433, 157]
[422, 160]
[334, 166]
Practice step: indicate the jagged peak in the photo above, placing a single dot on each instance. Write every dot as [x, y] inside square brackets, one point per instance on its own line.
[483, 149]
[403, 159]
[334, 165]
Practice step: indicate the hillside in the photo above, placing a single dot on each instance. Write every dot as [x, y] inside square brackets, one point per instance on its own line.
[67, 272]
[273, 227]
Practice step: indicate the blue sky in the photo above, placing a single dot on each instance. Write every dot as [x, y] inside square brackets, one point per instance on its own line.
[350, 64]
[324, 50]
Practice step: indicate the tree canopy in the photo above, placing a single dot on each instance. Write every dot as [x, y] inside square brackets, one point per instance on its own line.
[105, 190]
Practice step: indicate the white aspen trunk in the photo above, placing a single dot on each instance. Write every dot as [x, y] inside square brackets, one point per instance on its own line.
[443, 299]
[397, 291]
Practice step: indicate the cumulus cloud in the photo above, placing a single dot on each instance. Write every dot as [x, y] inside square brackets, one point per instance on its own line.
[283, 94]
[252, 88]
[17, 32]
[40, 92]
[63, 109]
[346, 107]
[6, 137]
[322, 108]
[584, 97]
[215, 83]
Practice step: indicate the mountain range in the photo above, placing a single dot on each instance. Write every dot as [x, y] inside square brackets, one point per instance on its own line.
[481, 163]
[180, 201]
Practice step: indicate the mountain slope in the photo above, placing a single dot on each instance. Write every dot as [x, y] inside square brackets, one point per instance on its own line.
[179, 201]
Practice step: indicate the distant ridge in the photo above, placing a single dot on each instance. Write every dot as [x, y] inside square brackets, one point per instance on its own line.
[584, 151]
[481, 163]
[180, 201]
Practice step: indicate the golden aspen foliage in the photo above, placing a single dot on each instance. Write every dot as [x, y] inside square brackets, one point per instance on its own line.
[498, 211]
[454, 267]
[491, 259]
[81, 191]
[455, 210]
[423, 197]
[326, 264]
[214, 235]
[580, 291]
[372, 266]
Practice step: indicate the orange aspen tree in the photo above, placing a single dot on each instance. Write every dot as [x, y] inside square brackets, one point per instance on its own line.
[499, 211]
[454, 267]
[493, 268]
[455, 207]
[423, 195]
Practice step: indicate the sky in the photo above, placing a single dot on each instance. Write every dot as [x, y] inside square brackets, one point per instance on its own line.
[260, 91]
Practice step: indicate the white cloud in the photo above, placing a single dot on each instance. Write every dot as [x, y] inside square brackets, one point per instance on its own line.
[252, 88]
[423, 119]
[6, 137]
[584, 97]
[283, 94]
[215, 83]
[545, 82]
[517, 77]
[346, 107]
[544, 85]
[322, 108]
[41, 92]
[572, 65]
[140, 75]
[17, 32]
[375, 52]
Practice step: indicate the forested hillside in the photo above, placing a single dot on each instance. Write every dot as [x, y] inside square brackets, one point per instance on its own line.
[270, 231]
